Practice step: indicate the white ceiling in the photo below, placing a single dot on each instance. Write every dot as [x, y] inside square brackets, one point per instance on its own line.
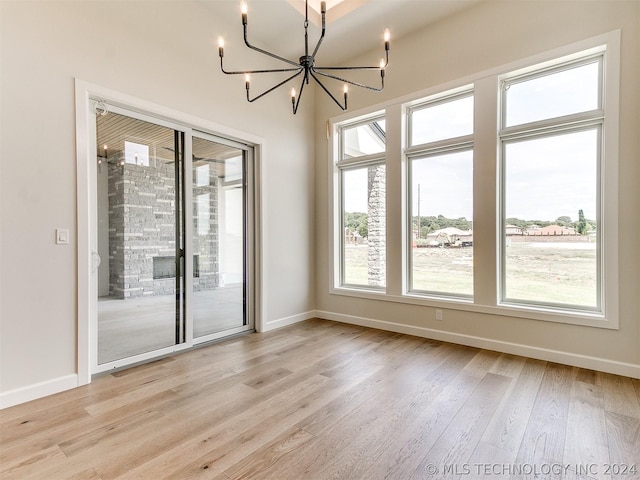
[277, 26]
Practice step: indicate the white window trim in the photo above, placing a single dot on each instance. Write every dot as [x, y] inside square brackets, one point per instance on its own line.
[396, 140]
[428, 149]
[410, 289]
[342, 164]
[433, 101]
[503, 299]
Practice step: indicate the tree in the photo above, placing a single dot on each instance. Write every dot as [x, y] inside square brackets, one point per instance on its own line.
[363, 228]
[429, 224]
[517, 222]
[352, 220]
[581, 225]
[563, 220]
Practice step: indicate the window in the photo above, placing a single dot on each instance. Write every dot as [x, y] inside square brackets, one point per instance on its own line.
[553, 94]
[440, 160]
[500, 188]
[136, 153]
[441, 120]
[551, 155]
[362, 193]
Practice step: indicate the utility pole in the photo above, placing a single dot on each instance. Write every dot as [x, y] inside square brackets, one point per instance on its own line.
[418, 211]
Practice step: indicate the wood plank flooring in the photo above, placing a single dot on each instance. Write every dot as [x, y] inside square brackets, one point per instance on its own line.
[323, 400]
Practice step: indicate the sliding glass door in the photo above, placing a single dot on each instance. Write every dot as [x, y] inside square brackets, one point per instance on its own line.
[219, 246]
[171, 237]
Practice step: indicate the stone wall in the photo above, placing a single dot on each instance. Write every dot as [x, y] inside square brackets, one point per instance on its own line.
[142, 226]
[377, 245]
[206, 234]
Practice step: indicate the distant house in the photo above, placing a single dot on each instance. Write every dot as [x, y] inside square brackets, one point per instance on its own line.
[450, 236]
[554, 230]
[351, 237]
[513, 230]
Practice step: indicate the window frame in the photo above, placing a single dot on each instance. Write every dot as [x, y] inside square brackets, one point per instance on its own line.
[509, 79]
[425, 150]
[487, 203]
[344, 164]
[503, 299]
[541, 129]
[434, 101]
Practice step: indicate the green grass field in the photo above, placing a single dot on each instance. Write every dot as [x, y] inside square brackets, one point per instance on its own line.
[563, 273]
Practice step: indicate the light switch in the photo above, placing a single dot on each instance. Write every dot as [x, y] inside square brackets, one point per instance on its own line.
[62, 236]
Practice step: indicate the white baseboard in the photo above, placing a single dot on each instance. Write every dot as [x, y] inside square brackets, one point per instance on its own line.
[283, 322]
[43, 389]
[37, 390]
[576, 360]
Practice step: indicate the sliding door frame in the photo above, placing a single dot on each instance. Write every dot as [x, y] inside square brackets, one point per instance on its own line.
[86, 96]
[249, 212]
[182, 148]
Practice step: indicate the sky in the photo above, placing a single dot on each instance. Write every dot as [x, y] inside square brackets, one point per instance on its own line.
[446, 185]
[534, 193]
[545, 178]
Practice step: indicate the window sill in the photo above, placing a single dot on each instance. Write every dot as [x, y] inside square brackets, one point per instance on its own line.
[587, 319]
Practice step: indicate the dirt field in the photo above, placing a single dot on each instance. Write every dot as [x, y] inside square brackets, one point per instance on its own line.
[563, 273]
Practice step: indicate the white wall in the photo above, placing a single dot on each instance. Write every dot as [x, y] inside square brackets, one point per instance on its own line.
[489, 35]
[162, 52]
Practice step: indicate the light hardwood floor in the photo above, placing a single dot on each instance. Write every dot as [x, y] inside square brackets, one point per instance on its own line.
[322, 400]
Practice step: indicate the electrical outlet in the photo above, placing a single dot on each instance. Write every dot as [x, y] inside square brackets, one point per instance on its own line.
[439, 315]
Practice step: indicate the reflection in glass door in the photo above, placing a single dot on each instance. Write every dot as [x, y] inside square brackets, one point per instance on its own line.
[218, 243]
[139, 237]
[171, 238]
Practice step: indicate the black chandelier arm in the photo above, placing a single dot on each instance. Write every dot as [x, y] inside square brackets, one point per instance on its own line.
[342, 107]
[264, 52]
[295, 103]
[244, 72]
[379, 67]
[315, 50]
[351, 82]
[300, 70]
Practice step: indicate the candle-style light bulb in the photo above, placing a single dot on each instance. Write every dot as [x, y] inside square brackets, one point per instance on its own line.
[387, 37]
[247, 80]
[346, 92]
[323, 7]
[221, 46]
[293, 97]
[243, 9]
[104, 150]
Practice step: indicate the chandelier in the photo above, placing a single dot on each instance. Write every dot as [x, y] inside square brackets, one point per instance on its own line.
[305, 66]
